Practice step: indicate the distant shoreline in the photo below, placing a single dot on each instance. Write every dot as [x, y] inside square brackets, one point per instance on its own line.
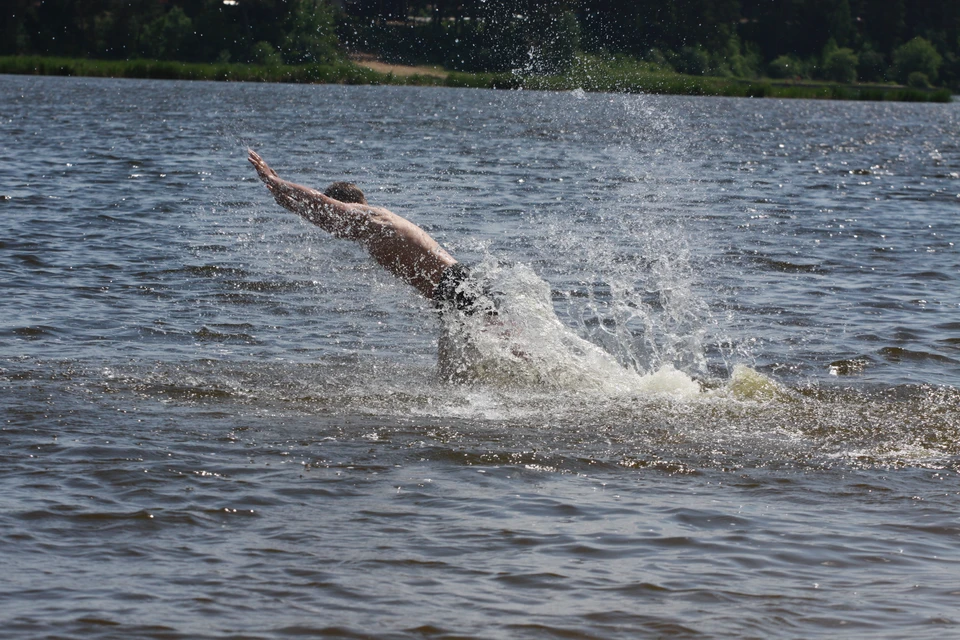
[368, 71]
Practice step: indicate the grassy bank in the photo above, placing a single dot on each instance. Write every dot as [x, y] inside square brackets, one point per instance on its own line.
[589, 74]
[631, 76]
[676, 84]
[341, 73]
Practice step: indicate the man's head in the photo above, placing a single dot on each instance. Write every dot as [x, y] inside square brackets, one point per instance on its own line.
[345, 192]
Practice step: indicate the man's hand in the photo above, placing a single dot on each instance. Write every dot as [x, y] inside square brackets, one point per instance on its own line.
[282, 192]
[268, 175]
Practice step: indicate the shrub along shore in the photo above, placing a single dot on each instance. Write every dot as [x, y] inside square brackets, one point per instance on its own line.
[589, 74]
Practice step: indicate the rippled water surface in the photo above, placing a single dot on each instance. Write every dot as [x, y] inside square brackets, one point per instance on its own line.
[737, 414]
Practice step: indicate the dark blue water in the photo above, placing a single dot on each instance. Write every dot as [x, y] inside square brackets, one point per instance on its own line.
[219, 422]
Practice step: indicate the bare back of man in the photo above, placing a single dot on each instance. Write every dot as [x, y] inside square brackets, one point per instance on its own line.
[401, 247]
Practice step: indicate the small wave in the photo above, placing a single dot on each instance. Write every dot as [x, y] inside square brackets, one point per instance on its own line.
[261, 286]
[748, 384]
[211, 271]
[931, 275]
[187, 392]
[37, 332]
[208, 334]
[783, 266]
[850, 366]
[898, 354]
[30, 259]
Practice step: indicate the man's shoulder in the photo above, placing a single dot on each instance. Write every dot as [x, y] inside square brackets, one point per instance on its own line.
[376, 214]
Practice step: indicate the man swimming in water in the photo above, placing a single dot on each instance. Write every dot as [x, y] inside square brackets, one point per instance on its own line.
[401, 247]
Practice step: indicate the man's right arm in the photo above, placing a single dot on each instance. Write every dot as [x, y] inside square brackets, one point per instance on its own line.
[335, 217]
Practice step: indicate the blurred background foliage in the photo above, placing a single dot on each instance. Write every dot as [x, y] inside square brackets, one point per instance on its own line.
[915, 43]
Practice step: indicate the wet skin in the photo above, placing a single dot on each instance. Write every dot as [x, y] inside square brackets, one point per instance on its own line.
[401, 247]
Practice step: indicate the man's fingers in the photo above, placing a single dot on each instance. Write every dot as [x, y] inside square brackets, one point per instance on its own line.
[263, 173]
[262, 168]
[258, 162]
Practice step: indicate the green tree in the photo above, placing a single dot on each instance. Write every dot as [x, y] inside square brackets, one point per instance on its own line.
[872, 65]
[950, 71]
[840, 64]
[918, 80]
[918, 55]
[263, 53]
[736, 59]
[166, 37]
[310, 36]
[14, 35]
[786, 66]
[506, 35]
[118, 27]
[885, 25]
[694, 61]
[839, 21]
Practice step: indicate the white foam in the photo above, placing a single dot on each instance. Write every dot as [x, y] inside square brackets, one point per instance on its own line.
[526, 345]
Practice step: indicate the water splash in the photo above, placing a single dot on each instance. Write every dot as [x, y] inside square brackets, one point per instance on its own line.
[627, 277]
[526, 344]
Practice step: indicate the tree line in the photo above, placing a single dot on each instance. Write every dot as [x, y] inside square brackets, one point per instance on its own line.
[915, 42]
[249, 31]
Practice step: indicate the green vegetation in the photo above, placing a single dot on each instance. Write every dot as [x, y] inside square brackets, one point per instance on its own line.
[882, 49]
[840, 64]
[623, 74]
[916, 57]
[587, 73]
[299, 31]
[339, 73]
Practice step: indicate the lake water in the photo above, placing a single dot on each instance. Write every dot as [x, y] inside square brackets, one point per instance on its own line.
[738, 414]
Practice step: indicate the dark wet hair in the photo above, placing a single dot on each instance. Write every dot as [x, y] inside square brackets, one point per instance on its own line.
[345, 192]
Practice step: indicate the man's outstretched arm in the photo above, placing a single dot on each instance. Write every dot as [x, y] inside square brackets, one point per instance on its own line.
[400, 246]
[335, 217]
